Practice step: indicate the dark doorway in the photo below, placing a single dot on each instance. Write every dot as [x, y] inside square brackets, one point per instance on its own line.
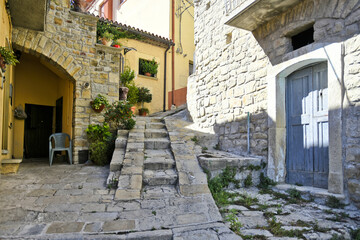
[59, 115]
[38, 128]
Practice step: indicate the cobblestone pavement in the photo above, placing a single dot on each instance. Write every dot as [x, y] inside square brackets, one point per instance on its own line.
[72, 202]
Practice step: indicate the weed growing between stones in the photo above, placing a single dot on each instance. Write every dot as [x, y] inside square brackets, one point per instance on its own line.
[248, 181]
[217, 147]
[333, 202]
[235, 225]
[245, 200]
[276, 229]
[195, 139]
[355, 234]
[265, 182]
[337, 237]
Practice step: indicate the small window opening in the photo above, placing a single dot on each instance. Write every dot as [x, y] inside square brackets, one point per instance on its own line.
[148, 68]
[303, 38]
[228, 38]
[191, 68]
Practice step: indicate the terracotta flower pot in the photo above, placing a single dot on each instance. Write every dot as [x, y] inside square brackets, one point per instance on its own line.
[133, 109]
[147, 74]
[97, 110]
[106, 42]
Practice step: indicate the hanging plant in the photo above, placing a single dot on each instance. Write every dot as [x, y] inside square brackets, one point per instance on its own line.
[7, 57]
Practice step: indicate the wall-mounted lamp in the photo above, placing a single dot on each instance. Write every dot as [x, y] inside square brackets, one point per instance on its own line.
[86, 85]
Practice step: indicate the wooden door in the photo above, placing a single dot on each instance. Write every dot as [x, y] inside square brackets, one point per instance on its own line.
[38, 128]
[307, 127]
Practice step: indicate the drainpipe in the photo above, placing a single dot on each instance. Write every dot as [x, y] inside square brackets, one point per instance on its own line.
[248, 133]
[165, 57]
[173, 52]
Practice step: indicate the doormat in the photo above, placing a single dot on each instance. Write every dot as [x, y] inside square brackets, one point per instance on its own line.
[9, 168]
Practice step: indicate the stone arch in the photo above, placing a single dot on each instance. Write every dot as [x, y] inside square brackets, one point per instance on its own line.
[39, 45]
[277, 112]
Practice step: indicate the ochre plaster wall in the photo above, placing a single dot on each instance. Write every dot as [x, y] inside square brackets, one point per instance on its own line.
[156, 84]
[36, 84]
[5, 37]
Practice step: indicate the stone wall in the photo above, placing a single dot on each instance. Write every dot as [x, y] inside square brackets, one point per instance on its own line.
[230, 80]
[69, 44]
[352, 117]
[233, 67]
[333, 21]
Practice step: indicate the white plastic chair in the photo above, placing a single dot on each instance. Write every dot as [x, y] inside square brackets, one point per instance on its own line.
[59, 145]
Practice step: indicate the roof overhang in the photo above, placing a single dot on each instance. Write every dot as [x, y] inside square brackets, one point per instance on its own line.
[28, 14]
[250, 14]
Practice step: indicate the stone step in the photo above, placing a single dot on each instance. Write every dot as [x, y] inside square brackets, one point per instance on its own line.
[159, 192]
[157, 120]
[157, 143]
[159, 163]
[155, 125]
[156, 133]
[160, 177]
[152, 153]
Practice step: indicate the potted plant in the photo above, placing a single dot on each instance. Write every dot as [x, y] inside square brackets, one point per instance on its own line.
[144, 96]
[7, 57]
[133, 95]
[126, 77]
[120, 115]
[99, 103]
[149, 68]
[116, 43]
[107, 38]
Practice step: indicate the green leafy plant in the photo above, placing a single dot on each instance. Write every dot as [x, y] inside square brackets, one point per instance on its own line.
[127, 76]
[96, 132]
[8, 57]
[265, 182]
[235, 225]
[334, 202]
[147, 66]
[99, 101]
[248, 181]
[355, 234]
[144, 96]
[108, 36]
[133, 94]
[195, 139]
[105, 26]
[119, 113]
[99, 137]
[143, 111]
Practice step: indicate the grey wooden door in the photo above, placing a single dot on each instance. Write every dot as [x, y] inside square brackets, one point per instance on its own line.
[307, 158]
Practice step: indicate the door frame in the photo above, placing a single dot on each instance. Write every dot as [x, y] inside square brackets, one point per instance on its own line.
[332, 54]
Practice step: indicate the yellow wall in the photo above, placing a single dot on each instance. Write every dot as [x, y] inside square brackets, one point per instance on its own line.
[155, 85]
[188, 46]
[5, 37]
[37, 84]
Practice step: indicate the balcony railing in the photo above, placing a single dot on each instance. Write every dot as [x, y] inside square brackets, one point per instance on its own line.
[230, 5]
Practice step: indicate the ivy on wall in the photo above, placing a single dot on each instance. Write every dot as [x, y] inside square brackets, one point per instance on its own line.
[103, 26]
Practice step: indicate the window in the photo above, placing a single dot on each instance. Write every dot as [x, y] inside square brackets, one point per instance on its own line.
[106, 9]
[148, 68]
[303, 38]
[191, 68]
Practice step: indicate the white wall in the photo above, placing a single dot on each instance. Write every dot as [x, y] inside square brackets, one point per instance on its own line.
[149, 15]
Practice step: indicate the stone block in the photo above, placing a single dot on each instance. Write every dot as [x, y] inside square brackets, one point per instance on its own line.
[65, 227]
[126, 195]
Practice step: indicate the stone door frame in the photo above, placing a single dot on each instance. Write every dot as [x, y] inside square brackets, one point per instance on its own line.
[332, 54]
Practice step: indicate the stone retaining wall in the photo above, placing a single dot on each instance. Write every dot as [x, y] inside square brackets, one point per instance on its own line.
[230, 80]
[69, 44]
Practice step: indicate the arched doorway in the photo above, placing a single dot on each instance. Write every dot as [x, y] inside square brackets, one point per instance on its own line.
[46, 94]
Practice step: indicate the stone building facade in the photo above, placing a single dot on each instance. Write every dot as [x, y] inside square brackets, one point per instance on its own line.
[245, 68]
[67, 46]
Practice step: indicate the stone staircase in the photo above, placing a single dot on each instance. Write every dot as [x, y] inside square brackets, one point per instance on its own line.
[143, 161]
[159, 164]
